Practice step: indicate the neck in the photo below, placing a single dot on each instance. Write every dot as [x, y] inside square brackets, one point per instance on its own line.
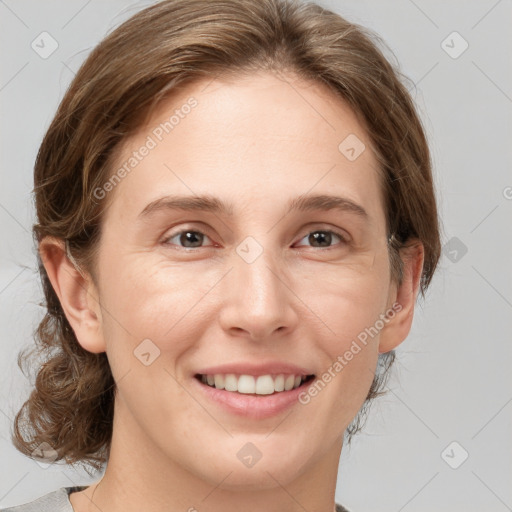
[139, 476]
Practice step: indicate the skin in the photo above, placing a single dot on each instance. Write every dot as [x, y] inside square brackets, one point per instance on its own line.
[256, 141]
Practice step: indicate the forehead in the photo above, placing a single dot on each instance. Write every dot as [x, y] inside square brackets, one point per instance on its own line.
[254, 139]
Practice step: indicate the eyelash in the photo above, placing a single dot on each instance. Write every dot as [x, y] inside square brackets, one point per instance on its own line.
[342, 237]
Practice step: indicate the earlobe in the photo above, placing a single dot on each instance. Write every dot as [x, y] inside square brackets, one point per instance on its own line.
[400, 324]
[77, 294]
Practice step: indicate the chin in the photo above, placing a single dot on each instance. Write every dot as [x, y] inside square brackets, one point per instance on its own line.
[260, 477]
[252, 468]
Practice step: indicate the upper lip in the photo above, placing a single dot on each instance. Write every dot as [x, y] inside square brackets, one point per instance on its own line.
[271, 367]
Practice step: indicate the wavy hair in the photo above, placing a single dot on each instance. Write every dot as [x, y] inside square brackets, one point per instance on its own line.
[169, 45]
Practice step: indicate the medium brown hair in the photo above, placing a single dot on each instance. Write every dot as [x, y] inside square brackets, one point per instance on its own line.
[163, 47]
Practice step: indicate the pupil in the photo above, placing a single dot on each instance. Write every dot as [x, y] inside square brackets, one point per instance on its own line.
[322, 236]
[190, 236]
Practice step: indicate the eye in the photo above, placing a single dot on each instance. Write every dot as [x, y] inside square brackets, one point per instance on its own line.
[324, 238]
[189, 238]
[193, 239]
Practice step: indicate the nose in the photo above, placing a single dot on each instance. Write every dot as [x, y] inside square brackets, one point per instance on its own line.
[258, 302]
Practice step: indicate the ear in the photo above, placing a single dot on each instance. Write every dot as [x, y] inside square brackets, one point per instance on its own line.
[403, 298]
[77, 294]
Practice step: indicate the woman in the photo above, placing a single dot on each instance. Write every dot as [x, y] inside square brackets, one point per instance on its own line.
[235, 215]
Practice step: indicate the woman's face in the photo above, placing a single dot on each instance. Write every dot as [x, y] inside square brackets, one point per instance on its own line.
[243, 283]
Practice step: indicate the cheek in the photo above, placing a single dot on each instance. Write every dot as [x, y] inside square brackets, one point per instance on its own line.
[157, 308]
[150, 324]
[153, 298]
[343, 315]
[342, 302]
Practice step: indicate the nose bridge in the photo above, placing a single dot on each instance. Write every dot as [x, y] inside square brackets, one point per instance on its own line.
[258, 300]
[261, 279]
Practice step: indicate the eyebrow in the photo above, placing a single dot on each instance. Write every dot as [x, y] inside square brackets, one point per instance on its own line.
[208, 203]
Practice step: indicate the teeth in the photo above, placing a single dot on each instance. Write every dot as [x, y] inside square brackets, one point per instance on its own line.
[279, 383]
[218, 381]
[246, 384]
[230, 382]
[249, 384]
[289, 382]
[265, 385]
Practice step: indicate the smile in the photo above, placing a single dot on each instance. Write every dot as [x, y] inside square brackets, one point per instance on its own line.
[257, 385]
[253, 397]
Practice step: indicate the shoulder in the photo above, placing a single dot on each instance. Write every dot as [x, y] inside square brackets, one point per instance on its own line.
[56, 501]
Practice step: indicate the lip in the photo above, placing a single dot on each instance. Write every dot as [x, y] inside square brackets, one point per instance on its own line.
[270, 368]
[252, 406]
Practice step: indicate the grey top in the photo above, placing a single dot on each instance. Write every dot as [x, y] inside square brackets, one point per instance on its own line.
[58, 501]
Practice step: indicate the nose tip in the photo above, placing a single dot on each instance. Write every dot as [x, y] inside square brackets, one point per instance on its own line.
[257, 301]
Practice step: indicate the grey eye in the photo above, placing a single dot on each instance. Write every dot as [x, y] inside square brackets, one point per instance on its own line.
[188, 238]
[322, 238]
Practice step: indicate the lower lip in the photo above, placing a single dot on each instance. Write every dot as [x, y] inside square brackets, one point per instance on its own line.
[251, 406]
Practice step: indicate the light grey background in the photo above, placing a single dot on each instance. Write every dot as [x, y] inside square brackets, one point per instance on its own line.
[452, 380]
